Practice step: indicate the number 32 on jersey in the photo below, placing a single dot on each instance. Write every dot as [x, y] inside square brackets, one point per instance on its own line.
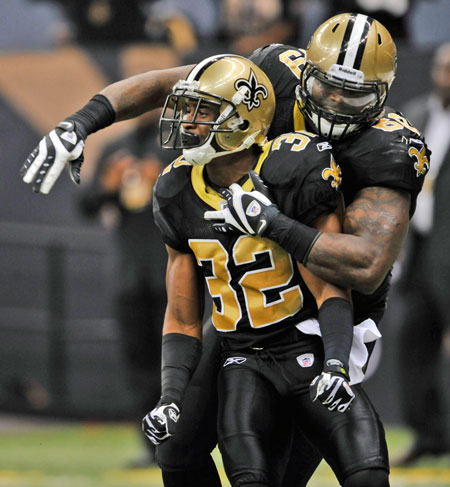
[260, 269]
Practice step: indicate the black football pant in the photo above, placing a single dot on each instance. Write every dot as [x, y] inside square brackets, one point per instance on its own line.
[257, 393]
[185, 459]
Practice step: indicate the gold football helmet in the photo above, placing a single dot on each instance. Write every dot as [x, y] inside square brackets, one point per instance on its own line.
[350, 65]
[236, 91]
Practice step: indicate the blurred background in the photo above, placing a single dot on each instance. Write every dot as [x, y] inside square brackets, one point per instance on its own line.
[62, 352]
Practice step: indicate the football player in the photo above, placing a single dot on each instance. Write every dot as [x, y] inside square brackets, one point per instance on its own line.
[337, 87]
[268, 308]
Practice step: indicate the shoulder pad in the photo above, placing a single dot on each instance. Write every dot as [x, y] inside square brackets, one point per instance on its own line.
[302, 175]
[282, 64]
[390, 153]
[172, 180]
[297, 153]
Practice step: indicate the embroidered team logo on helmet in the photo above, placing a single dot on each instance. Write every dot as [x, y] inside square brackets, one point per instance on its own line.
[334, 172]
[254, 91]
[422, 164]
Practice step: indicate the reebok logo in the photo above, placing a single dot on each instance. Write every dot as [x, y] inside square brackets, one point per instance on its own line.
[234, 360]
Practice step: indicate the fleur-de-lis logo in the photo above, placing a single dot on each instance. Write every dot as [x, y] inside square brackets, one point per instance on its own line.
[422, 164]
[334, 172]
[254, 90]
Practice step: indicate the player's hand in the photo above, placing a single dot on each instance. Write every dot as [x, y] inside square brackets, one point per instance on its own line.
[332, 388]
[248, 212]
[159, 424]
[63, 145]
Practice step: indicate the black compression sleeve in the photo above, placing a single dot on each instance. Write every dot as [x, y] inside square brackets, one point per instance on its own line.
[180, 356]
[96, 115]
[336, 324]
[296, 238]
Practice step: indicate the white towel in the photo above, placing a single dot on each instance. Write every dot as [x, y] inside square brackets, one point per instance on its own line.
[365, 332]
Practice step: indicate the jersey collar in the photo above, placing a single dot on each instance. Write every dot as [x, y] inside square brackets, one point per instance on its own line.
[208, 194]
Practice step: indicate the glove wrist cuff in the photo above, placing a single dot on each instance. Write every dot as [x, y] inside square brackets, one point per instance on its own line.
[168, 399]
[335, 365]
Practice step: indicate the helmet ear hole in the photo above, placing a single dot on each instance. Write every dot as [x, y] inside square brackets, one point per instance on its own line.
[244, 125]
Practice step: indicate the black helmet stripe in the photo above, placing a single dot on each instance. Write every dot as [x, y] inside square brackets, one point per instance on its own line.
[354, 41]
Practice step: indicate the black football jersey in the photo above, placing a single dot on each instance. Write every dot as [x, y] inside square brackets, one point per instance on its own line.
[257, 291]
[390, 153]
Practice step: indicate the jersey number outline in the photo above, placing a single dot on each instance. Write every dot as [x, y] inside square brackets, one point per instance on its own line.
[227, 310]
[294, 60]
[394, 121]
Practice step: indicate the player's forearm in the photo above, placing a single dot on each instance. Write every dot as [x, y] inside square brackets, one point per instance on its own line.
[375, 227]
[348, 261]
[138, 94]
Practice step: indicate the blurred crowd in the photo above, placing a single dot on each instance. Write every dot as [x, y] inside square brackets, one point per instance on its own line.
[241, 25]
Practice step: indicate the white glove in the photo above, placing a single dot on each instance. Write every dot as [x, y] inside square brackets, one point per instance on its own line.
[159, 424]
[63, 145]
[248, 212]
[332, 389]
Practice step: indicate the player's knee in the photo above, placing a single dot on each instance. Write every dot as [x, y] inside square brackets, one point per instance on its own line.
[368, 478]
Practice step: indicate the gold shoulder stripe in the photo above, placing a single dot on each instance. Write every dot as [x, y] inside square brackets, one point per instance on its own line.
[248, 186]
[203, 191]
[299, 120]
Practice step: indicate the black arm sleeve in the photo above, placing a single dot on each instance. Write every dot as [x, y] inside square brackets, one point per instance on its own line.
[180, 356]
[336, 325]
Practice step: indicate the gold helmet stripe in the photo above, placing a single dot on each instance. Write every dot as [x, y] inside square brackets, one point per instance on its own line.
[198, 70]
[354, 41]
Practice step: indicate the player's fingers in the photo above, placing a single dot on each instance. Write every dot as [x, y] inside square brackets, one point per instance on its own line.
[36, 163]
[30, 159]
[75, 169]
[214, 215]
[236, 189]
[226, 193]
[46, 184]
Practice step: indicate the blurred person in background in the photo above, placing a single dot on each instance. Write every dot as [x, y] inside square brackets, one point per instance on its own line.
[120, 193]
[237, 26]
[101, 21]
[425, 282]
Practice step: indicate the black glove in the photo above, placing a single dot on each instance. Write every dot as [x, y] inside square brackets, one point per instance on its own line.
[159, 424]
[332, 387]
[63, 145]
[248, 212]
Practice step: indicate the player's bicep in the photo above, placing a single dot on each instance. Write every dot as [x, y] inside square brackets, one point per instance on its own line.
[320, 289]
[381, 216]
[184, 309]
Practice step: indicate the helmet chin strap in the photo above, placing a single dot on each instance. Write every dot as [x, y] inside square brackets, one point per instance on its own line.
[324, 127]
[199, 156]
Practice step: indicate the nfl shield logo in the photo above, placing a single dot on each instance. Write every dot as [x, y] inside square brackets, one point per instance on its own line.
[305, 360]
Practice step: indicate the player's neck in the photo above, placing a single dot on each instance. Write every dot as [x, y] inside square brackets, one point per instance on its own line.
[227, 170]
